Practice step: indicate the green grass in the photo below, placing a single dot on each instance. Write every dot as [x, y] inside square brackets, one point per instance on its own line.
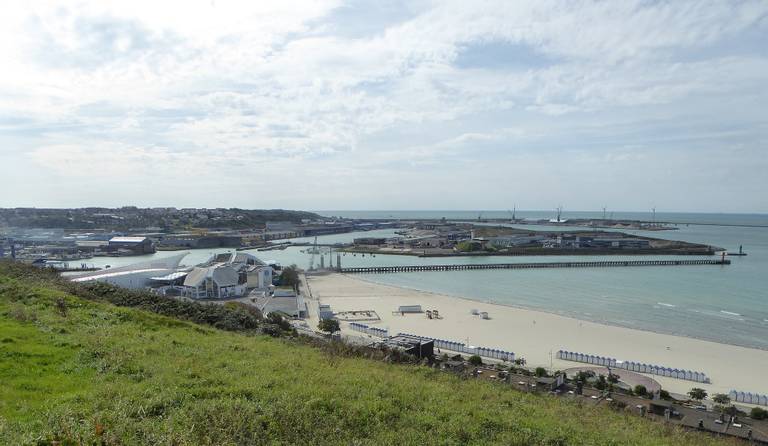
[100, 373]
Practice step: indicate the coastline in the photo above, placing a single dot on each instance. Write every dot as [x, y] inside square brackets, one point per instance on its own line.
[564, 315]
[533, 334]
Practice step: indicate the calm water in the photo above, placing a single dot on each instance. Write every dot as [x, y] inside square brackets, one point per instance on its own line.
[727, 304]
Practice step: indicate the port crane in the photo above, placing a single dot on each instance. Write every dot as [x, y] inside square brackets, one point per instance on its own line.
[312, 256]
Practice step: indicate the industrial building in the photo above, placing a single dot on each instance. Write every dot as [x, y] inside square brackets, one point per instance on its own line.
[137, 245]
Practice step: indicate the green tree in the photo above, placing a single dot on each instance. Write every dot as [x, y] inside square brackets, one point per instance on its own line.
[476, 360]
[697, 394]
[758, 413]
[540, 371]
[721, 398]
[290, 277]
[601, 383]
[583, 376]
[329, 325]
[663, 394]
[640, 390]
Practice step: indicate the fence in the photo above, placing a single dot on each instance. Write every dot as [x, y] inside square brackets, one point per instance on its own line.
[749, 398]
[632, 366]
[453, 346]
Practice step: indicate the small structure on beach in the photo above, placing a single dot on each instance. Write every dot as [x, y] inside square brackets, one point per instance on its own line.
[402, 309]
[324, 311]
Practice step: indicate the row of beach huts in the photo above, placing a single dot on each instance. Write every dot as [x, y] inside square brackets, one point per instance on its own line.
[453, 346]
[749, 398]
[632, 366]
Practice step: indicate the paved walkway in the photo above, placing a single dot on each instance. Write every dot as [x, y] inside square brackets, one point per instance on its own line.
[626, 376]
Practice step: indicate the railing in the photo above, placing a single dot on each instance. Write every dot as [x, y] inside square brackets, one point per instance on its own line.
[633, 366]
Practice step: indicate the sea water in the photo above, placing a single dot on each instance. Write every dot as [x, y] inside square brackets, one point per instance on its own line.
[726, 304]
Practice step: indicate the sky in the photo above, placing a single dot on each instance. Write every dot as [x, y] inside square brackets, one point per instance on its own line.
[386, 104]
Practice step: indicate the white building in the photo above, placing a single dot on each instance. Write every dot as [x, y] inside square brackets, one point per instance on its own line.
[213, 282]
[228, 275]
[136, 275]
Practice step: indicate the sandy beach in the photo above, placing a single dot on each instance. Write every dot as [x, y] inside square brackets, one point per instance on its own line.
[537, 336]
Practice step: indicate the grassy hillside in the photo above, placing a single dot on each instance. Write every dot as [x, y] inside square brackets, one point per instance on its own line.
[90, 372]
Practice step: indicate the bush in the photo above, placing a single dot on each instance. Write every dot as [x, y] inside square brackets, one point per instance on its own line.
[601, 383]
[758, 413]
[278, 320]
[663, 394]
[329, 325]
[475, 360]
[697, 393]
[540, 371]
[583, 376]
[721, 398]
[231, 317]
[640, 390]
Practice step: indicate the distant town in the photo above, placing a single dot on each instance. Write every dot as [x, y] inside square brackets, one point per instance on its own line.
[61, 235]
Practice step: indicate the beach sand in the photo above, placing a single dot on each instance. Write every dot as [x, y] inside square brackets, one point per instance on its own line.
[537, 336]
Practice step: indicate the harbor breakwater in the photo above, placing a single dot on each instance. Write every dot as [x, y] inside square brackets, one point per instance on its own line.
[530, 265]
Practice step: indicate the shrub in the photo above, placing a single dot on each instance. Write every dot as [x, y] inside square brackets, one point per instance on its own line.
[697, 393]
[640, 390]
[540, 371]
[583, 376]
[475, 360]
[663, 394]
[758, 413]
[277, 319]
[721, 398]
[329, 325]
[601, 383]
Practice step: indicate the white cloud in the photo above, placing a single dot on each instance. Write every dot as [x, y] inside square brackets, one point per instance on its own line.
[278, 87]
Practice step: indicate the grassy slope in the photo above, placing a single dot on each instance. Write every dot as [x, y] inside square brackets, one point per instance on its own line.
[134, 377]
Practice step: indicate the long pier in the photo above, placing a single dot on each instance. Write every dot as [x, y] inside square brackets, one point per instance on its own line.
[532, 265]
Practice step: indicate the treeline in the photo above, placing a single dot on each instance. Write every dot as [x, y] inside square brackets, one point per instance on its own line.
[126, 218]
[232, 317]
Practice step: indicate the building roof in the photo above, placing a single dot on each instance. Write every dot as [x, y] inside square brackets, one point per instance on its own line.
[161, 266]
[170, 277]
[291, 305]
[222, 275]
[243, 258]
[127, 239]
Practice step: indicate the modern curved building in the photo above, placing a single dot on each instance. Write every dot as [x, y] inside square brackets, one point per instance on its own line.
[137, 275]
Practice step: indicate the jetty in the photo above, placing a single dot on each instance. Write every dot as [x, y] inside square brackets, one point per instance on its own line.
[531, 265]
